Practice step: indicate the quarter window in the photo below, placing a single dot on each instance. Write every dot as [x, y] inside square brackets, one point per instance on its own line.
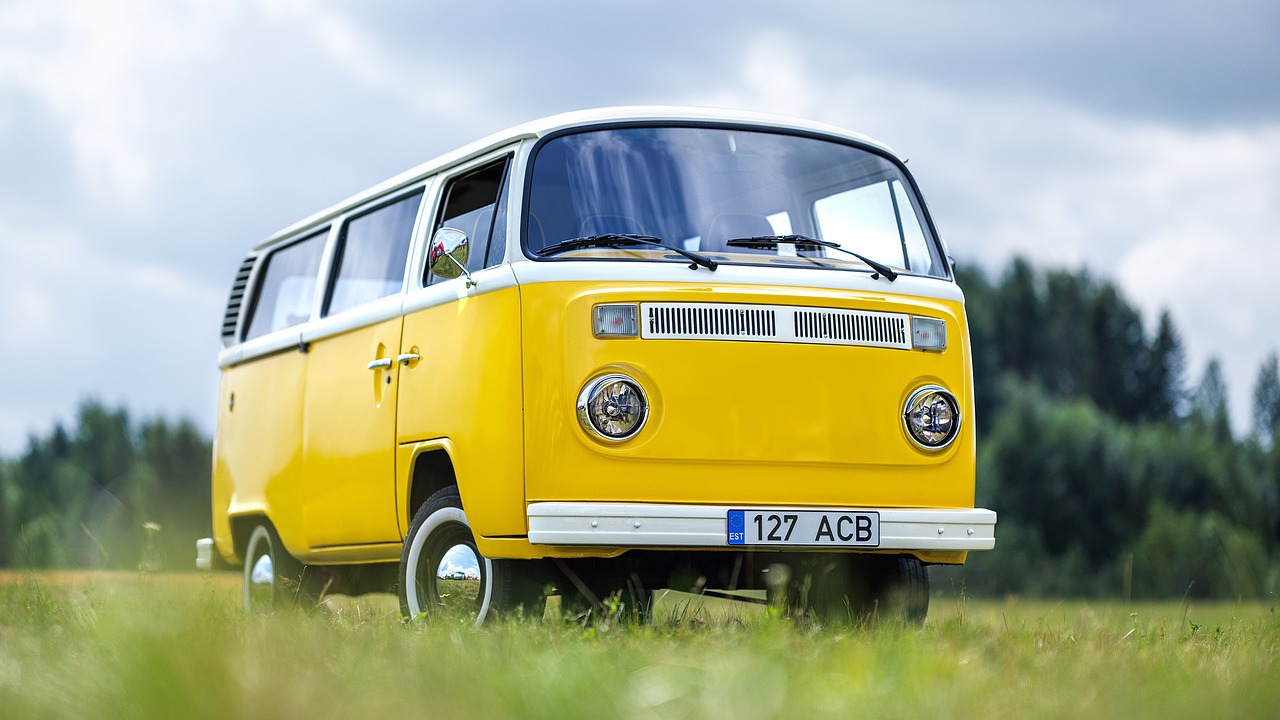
[288, 286]
[372, 253]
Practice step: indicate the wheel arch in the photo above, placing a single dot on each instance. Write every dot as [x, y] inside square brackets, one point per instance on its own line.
[242, 528]
[433, 470]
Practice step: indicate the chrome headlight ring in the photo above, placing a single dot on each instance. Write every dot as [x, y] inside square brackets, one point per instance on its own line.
[613, 407]
[932, 417]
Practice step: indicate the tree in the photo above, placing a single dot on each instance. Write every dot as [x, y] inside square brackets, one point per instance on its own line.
[82, 498]
[1209, 405]
[1067, 362]
[1266, 402]
[979, 305]
[1019, 321]
[1115, 379]
[1161, 375]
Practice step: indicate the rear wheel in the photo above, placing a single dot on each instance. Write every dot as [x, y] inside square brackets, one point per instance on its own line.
[272, 577]
[443, 575]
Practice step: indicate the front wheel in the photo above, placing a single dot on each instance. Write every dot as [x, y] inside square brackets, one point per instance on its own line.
[443, 575]
[903, 589]
[838, 589]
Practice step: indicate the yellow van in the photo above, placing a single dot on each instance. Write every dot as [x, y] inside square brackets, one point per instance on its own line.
[602, 353]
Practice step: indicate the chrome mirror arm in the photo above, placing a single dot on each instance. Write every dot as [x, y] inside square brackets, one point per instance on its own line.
[465, 273]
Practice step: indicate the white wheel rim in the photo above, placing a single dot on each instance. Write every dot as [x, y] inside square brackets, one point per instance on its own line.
[419, 540]
[260, 535]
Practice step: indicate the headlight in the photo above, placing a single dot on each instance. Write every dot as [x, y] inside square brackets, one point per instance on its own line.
[932, 417]
[612, 407]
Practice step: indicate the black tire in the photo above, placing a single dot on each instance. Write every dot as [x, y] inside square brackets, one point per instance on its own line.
[836, 589]
[500, 588]
[903, 590]
[272, 577]
[827, 588]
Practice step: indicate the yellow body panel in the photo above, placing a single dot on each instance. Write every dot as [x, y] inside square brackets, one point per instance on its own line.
[466, 389]
[348, 493]
[258, 447]
[731, 423]
[740, 422]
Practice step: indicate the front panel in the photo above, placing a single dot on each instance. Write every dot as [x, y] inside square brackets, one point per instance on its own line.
[792, 422]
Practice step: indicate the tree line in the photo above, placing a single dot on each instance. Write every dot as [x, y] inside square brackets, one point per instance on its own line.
[108, 493]
[1112, 472]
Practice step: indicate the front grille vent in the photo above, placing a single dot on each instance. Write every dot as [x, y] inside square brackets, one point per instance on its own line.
[723, 322]
[861, 328]
[774, 323]
[236, 301]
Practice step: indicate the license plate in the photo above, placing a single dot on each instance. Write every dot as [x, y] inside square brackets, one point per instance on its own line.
[804, 527]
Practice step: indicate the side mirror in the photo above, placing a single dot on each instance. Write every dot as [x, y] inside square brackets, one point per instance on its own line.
[447, 256]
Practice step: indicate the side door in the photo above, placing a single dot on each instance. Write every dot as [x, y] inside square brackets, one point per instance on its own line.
[349, 425]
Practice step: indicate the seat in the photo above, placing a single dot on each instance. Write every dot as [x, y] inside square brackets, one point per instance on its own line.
[728, 226]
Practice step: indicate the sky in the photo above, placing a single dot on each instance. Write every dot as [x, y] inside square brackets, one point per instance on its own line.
[146, 144]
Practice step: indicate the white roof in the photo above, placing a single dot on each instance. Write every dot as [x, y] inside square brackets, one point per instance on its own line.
[581, 118]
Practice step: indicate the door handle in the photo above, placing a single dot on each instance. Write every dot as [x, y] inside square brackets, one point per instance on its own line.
[407, 358]
[383, 363]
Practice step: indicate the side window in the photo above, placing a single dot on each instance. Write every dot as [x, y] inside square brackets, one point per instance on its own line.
[372, 252]
[475, 203]
[287, 288]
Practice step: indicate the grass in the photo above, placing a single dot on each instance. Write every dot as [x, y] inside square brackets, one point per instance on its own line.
[177, 646]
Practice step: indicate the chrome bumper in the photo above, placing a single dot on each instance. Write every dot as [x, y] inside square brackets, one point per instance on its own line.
[634, 525]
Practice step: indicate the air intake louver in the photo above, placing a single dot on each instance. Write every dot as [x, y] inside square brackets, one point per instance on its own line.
[857, 327]
[236, 301]
[711, 321]
[774, 323]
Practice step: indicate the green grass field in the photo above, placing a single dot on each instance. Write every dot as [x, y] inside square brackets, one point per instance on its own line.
[178, 646]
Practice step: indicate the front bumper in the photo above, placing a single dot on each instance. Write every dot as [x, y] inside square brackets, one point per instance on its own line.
[639, 525]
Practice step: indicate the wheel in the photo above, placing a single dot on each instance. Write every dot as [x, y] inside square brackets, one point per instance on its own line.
[837, 589]
[903, 589]
[443, 575]
[272, 577]
[825, 587]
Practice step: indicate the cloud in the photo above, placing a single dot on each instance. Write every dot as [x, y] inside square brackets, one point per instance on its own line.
[460, 559]
[146, 145]
[80, 322]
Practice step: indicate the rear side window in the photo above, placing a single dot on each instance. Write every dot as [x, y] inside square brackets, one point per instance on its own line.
[475, 204]
[288, 286]
[372, 252]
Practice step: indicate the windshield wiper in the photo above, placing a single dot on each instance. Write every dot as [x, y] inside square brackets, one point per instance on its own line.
[773, 241]
[619, 239]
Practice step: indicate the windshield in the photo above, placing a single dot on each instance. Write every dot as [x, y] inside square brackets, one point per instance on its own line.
[698, 188]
